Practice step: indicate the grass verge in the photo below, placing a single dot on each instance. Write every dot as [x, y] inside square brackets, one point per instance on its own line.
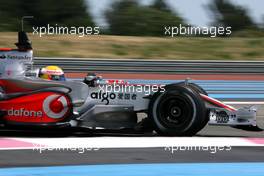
[103, 46]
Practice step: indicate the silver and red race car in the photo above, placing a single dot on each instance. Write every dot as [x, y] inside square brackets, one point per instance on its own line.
[180, 109]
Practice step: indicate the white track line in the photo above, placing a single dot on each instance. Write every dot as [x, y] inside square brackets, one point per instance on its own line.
[140, 142]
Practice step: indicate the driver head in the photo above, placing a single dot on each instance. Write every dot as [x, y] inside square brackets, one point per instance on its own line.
[54, 73]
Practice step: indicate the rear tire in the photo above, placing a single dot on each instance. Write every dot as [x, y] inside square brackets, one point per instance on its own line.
[179, 111]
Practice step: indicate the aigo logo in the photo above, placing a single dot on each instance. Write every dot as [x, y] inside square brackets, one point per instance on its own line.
[56, 106]
[103, 96]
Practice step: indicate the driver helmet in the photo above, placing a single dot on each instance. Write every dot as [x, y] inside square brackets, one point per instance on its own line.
[54, 73]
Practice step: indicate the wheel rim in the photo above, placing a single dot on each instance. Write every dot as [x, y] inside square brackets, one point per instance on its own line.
[175, 111]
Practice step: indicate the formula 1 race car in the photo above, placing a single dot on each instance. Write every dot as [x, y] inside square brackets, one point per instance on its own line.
[180, 109]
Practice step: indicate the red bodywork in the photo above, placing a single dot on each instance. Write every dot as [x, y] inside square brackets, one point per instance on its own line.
[11, 87]
[42, 107]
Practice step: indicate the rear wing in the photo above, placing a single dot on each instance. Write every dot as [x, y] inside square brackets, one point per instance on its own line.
[15, 62]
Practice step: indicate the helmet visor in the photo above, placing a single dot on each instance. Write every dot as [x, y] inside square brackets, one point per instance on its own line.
[57, 77]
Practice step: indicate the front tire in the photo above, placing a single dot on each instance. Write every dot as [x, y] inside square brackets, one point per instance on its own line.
[179, 111]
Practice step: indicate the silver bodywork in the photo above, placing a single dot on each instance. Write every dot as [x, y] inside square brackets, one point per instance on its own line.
[106, 110]
[15, 63]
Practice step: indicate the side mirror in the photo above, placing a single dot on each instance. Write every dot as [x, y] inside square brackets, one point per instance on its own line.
[90, 79]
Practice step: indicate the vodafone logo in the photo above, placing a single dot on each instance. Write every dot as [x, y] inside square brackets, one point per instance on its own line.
[23, 113]
[55, 106]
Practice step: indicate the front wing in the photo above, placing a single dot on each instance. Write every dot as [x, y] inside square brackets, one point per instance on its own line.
[222, 114]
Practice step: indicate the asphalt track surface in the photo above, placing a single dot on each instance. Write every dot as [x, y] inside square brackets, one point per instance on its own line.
[27, 158]
[32, 158]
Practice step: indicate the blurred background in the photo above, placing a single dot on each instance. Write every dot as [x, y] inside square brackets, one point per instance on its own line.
[135, 29]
